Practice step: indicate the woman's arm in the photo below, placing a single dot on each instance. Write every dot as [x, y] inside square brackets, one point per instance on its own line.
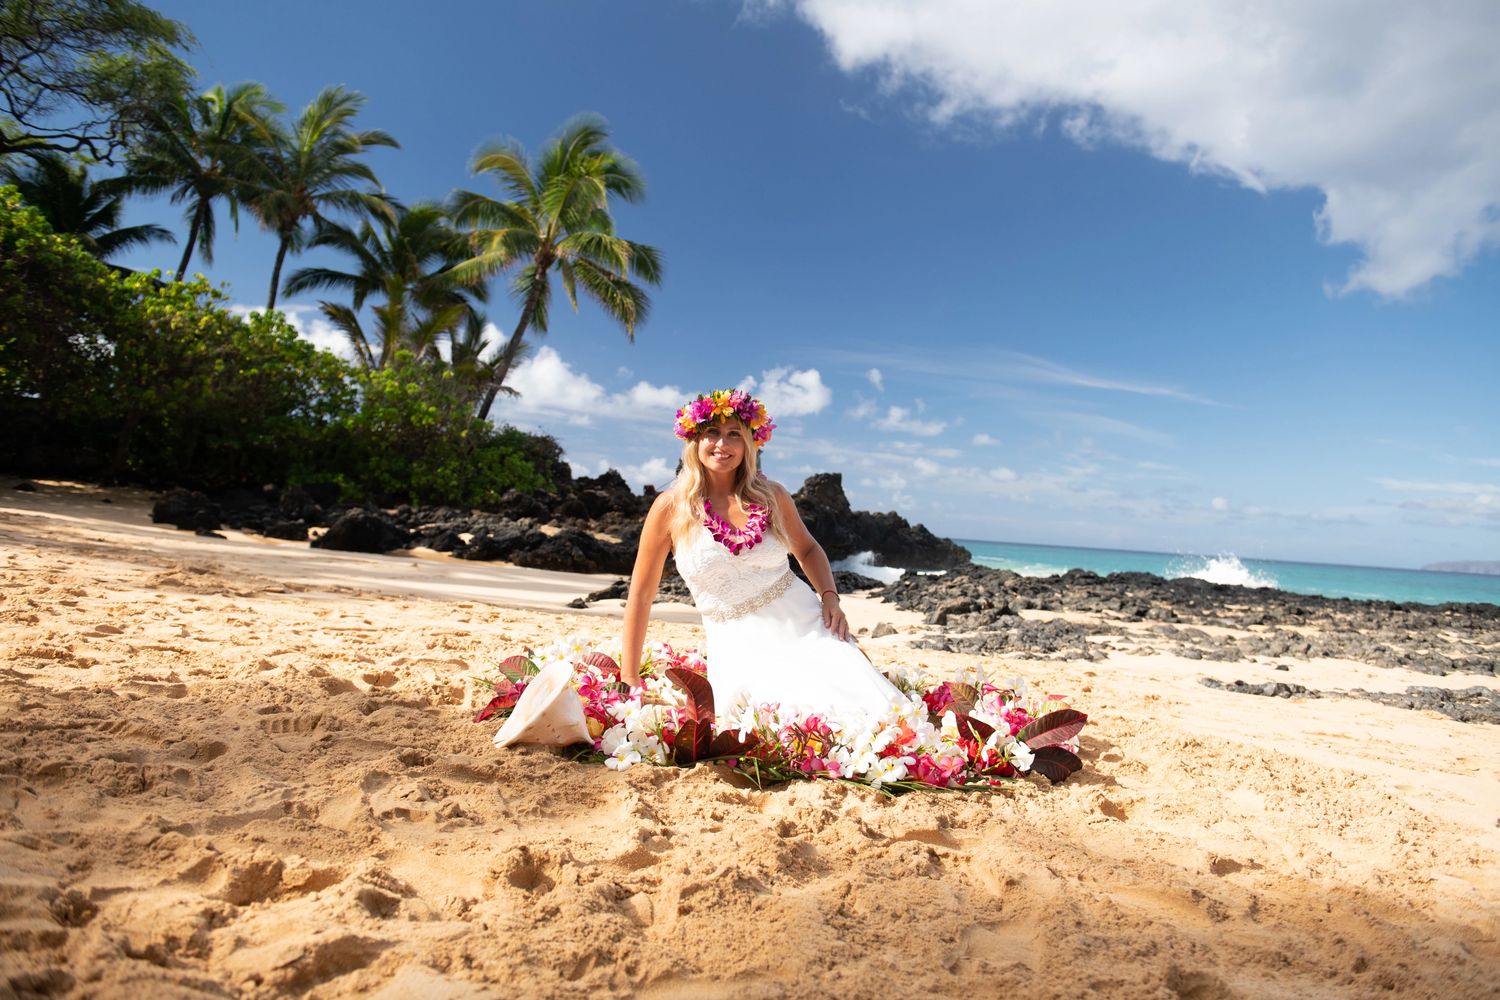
[650, 556]
[814, 561]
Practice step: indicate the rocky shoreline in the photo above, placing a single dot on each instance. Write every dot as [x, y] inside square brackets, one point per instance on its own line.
[592, 525]
[980, 610]
[589, 525]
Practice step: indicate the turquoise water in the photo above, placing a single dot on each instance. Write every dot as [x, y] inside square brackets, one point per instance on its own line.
[1358, 582]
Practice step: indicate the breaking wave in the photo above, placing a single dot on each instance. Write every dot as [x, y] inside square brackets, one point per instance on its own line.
[863, 563]
[1225, 569]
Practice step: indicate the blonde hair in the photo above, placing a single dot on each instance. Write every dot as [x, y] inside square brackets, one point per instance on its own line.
[750, 487]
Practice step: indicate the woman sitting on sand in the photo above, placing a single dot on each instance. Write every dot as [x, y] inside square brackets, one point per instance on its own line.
[790, 693]
[771, 639]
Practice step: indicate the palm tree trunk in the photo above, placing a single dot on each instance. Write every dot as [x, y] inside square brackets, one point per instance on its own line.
[276, 272]
[508, 356]
[192, 240]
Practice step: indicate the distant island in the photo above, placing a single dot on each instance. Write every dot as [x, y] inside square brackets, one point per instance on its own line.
[1482, 567]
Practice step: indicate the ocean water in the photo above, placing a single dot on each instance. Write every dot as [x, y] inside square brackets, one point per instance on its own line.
[1357, 582]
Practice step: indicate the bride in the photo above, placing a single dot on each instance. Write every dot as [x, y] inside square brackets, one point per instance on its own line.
[770, 638]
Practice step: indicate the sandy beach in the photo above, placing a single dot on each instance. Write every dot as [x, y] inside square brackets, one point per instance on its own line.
[241, 767]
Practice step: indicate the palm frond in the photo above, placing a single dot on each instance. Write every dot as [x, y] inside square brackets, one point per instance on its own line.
[626, 302]
[346, 321]
[507, 160]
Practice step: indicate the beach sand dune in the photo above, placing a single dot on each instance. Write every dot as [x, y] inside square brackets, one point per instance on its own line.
[236, 768]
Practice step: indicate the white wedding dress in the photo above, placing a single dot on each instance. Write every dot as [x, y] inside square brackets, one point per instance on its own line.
[767, 643]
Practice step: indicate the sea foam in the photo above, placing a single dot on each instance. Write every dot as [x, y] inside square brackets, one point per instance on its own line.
[1225, 569]
[863, 563]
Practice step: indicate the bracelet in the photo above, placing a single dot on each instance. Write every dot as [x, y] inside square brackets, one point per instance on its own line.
[835, 594]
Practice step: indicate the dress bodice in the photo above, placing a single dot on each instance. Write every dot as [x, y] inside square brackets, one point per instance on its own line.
[723, 582]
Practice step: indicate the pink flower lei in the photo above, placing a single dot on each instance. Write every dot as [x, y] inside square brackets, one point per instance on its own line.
[737, 540]
[722, 404]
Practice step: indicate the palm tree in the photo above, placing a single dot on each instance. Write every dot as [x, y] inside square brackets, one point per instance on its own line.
[198, 148]
[472, 360]
[312, 170]
[73, 204]
[559, 216]
[404, 259]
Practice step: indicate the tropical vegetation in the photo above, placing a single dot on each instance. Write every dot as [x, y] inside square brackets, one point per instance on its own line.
[558, 216]
[196, 148]
[122, 375]
[78, 205]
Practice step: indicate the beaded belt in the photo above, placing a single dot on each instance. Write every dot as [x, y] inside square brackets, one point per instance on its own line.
[755, 603]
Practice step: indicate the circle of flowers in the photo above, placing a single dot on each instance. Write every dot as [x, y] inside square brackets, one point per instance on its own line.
[722, 404]
[737, 540]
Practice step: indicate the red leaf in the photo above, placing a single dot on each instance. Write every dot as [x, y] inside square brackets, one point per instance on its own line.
[1055, 764]
[965, 697]
[700, 694]
[728, 744]
[693, 742]
[1053, 728]
[495, 705]
[981, 730]
[603, 664]
[517, 667]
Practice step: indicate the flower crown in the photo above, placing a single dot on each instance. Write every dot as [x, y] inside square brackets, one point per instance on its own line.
[721, 404]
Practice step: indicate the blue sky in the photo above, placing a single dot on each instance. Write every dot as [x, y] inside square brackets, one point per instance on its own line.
[1174, 282]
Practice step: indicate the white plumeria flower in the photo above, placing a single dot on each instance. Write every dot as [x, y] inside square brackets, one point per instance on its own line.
[614, 737]
[623, 757]
[887, 769]
[949, 728]
[747, 722]
[1019, 755]
[974, 676]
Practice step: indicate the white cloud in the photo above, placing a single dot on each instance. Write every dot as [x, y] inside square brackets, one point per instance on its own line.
[863, 410]
[1003, 475]
[926, 468]
[789, 393]
[984, 439]
[1449, 503]
[1390, 109]
[1219, 503]
[876, 379]
[653, 472]
[551, 390]
[310, 324]
[656, 398]
[901, 420]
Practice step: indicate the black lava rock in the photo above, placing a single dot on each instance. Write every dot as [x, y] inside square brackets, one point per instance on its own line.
[844, 532]
[291, 531]
[187, 510]
[362, 530]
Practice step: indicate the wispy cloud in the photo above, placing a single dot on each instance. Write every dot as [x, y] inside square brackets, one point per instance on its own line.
[1095, 423]
[990, 372]
[1447, 503]
[1036, 369]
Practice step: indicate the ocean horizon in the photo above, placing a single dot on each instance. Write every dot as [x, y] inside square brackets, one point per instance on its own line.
[1364, 583]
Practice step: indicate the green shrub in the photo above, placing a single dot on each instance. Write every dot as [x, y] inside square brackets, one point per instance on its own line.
[116, 375]
[414, 438]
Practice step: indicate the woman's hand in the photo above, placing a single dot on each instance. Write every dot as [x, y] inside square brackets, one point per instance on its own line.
[833, 616]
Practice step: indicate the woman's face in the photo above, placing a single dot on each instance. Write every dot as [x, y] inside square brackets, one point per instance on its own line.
[721, 446]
